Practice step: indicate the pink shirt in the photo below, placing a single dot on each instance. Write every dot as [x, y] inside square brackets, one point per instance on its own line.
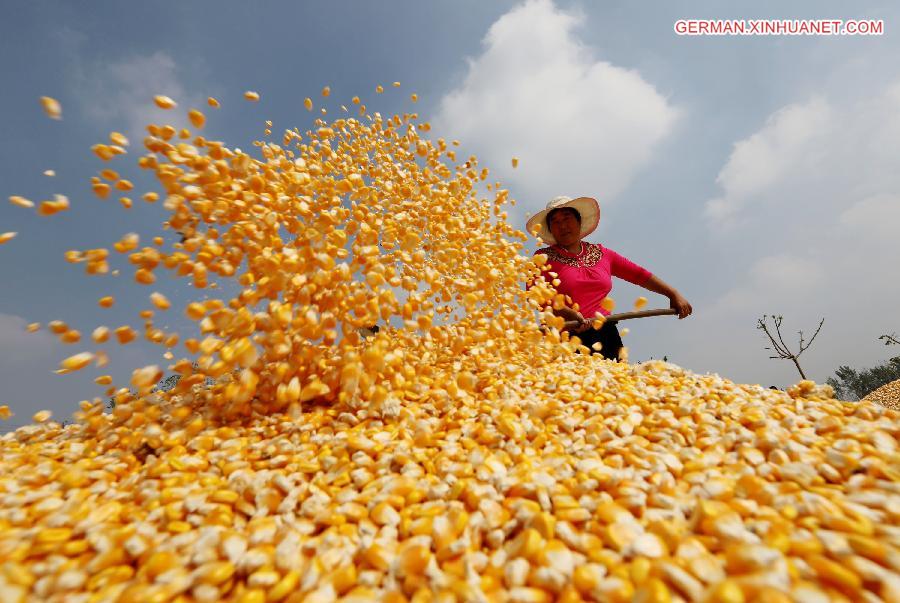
[586, 277]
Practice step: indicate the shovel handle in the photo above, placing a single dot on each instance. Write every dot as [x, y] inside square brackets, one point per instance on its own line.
[613, 318]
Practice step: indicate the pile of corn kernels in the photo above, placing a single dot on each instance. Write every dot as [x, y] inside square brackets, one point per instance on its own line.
[462, 454]
[887, 395]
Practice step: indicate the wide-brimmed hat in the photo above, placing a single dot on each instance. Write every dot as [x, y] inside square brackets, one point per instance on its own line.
[586, 206]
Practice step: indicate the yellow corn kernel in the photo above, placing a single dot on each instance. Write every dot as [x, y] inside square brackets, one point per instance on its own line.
[527, 544]
[53, 535]
[77, 361]
[253, 595]
[159, 562]
[344, 578]
[198, 120]
[51, 107]
[224, 496]
[75, 547]
[5, 237]
[21, 202]
[868, 546]
[284, 587]
[835, 573]
[727, 591]
[588, 576]
[164, 102]
[414, 559]
[125, 334]
[160, 301]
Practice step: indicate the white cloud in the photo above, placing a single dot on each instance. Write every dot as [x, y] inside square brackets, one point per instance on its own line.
[875, 216]
[777, 283]
[816, 195]
[578, 125]
[119, 93]
[790, 137]
[818, 157]
[23, 346]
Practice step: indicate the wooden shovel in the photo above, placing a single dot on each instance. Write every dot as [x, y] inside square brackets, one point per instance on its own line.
[613, 318]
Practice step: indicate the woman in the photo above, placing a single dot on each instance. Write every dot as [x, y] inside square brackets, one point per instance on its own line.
[585, 270]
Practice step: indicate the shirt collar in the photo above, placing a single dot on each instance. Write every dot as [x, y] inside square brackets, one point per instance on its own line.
[585, 246]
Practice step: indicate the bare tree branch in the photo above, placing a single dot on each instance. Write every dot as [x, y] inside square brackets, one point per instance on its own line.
[802, 348]
[780, 347]
[890, 339]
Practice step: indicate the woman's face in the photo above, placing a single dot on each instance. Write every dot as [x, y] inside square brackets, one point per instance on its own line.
[565, 227]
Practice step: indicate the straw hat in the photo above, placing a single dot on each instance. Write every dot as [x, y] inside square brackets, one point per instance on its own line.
[586, 206]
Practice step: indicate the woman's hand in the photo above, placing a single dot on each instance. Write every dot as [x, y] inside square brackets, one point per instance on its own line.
[681, 305]
[570, 315]
[583, 324]
[676, 301]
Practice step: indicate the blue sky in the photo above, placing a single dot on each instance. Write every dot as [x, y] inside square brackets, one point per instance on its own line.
[755, 174]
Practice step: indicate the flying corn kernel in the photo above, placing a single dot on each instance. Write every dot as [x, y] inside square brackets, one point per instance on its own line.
[198, 120]
[5, 413]
[414, 98]
[77, 362]
[326, 91]
[164, 102]
[21, 202]
[127, 243]
[70, 336]
[57, 327]
[640, 303]
[125, 334]
[144, 277]
[33, 327]
[7, 237]
[42, 416]
[212, 102]
[379, 89]
[160, 301]
[251, 96]
[396, 84]
[515, 162]
[608, 304]
[118, 138]
[49, 173]
[145, 378]
[59, 204]
[458, 449]
[106, 301]
[307, 102]
[100, 335]
[51, 107]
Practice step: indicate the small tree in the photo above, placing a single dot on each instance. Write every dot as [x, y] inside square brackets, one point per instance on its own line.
[852, 384]
[781, 349]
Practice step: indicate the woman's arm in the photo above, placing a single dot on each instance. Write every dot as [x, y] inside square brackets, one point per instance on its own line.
[676, 300]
